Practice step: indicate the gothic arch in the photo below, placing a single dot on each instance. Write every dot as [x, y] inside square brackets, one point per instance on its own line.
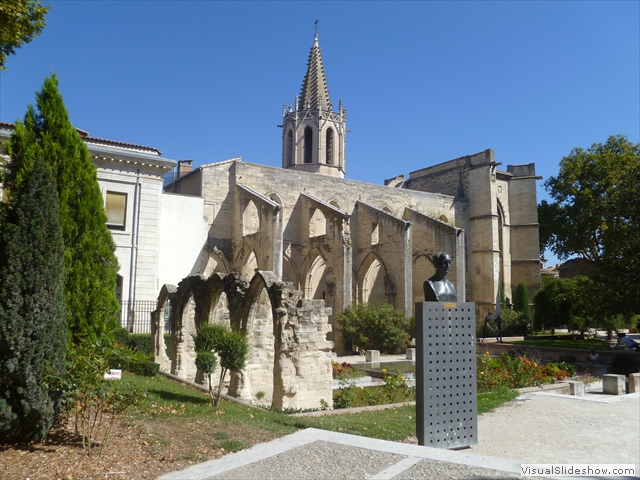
[216, 263]
[289, 272]
[247, 261]
[336, 204]
[258, 322]
[329, 146]
[422, 269]
[371, 278]
[183, 328]
[308, 145]
[288, 149]
[317, 224]
[250, 218]
[161, 320]
[316, 278]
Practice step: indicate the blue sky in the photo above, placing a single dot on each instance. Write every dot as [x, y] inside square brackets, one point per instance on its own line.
[422, 82]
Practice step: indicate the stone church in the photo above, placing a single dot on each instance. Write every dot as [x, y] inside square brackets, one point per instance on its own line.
[346, 241]
[332, 238]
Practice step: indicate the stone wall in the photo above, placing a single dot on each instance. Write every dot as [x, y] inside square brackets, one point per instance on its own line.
[289, 364]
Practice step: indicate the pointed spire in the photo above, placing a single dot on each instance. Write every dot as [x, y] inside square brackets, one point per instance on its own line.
[315, 93]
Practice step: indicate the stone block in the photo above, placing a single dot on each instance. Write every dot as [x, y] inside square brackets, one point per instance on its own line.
[634, 382]
[411, 354]
[576, 388]
[372, 356]
[613, 384]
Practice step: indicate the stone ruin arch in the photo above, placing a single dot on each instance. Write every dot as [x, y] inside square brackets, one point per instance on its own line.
[289, 364]
[371, 278]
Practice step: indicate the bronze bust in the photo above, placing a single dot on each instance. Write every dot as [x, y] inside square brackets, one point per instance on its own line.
[438, 288]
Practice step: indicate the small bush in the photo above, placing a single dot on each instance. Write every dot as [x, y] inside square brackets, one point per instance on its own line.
[121, 336]
[140, 342]
[94, 402]
[145, 368]
[377, 326]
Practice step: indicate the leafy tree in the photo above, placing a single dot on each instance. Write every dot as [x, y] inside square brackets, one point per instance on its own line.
[595, 214]
[377, 326]
[90, 265]
[33, 330]
[20, 22]
[231, 347]
[565, 301]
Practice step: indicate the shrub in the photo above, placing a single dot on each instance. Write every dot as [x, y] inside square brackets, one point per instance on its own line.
[377, 326]
[231, 347]
[140, 342]
[134, 361]
[94, 402]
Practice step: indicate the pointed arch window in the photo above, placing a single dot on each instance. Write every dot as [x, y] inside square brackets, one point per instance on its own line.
[308, 145]
[289, 158]
[329, 145]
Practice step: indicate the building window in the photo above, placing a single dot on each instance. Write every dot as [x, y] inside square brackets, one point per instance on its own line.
[308, 145]
[330, 147]
[115, 208]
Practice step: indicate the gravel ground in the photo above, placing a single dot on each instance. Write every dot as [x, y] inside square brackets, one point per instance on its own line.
[563, 429]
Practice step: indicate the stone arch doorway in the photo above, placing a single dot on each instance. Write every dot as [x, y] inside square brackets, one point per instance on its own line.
[371, 279]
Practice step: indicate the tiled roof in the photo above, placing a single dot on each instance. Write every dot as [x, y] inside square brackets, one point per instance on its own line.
[315, 93]
[102, 141]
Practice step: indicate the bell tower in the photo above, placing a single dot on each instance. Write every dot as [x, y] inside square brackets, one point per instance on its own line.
[313, 135]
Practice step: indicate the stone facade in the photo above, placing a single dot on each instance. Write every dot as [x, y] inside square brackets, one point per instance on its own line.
[289, 363]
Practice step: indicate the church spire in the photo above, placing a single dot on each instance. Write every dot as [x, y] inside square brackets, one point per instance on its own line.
[315, 93]
[313, 135]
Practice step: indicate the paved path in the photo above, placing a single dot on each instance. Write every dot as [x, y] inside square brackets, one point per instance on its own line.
[536, 428]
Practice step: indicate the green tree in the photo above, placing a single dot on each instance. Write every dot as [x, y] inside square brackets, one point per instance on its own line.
[565, 301]
[377, 326]
[20, 22]
[521, 300]
[33, 330]
[595, 214]
[90, 265]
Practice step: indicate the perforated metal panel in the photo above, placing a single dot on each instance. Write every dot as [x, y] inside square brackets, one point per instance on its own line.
[446, 401]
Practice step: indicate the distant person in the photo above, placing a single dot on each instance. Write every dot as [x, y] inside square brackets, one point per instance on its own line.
[628, 342]
[593, 357]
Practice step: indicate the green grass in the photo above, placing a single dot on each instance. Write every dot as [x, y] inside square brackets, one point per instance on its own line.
[592, 343]
[181, 409]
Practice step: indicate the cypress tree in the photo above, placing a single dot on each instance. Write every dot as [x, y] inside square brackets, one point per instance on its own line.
[521, 300]
[90, 265]
[33, 330]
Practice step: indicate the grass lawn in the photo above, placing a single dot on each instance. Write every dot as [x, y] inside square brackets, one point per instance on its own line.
[588, 344]
[174, 416]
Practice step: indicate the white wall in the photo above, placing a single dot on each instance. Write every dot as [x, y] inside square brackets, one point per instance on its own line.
[183, 234]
